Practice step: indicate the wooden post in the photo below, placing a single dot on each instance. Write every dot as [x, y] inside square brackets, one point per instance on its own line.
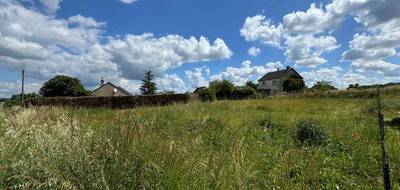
[385, 164]
[22, 90]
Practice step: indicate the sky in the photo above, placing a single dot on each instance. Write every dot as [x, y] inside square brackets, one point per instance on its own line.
[188, 43]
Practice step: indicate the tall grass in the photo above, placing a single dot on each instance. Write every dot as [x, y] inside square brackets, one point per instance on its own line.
[247, 144]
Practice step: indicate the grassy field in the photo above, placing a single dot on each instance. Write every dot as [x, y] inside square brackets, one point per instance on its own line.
[248, 144]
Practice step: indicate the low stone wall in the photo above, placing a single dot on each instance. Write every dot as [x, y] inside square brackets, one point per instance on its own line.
[112, 102]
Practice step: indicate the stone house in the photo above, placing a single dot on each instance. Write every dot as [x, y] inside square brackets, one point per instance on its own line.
[109, 89]
[272, 83]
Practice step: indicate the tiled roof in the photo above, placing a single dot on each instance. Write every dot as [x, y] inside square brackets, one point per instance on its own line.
[277, 74]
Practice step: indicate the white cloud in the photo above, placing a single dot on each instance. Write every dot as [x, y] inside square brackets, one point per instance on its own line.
[136, 54]
[46, 46]
[314, 20]
[51, 6]
[240, 75]
[369, 51]
[332, 74]
[299, 34]
[128, 1]
[306, 50]
[253, 51]
[22, 23]
[85, 22]
[260, 29]
[14, 87]
[307, 35]
[197, 77]
[171, 82]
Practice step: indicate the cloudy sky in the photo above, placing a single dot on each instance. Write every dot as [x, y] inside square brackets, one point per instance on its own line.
[187, 43]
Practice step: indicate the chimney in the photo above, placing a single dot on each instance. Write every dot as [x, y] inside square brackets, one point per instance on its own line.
[102, 81]
[278, 69]
[288, 67]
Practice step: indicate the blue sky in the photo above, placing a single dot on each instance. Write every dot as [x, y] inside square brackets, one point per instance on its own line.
[188, 43]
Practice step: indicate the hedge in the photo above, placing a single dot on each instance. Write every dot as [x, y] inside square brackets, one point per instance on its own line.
[121, 102]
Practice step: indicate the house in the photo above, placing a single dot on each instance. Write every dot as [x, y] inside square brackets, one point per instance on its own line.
[109, 89]
[272, 83]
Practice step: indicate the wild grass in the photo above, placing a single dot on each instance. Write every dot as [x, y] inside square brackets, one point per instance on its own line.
[248, 144]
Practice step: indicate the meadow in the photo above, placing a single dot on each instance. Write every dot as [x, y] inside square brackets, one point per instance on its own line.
[244, 144]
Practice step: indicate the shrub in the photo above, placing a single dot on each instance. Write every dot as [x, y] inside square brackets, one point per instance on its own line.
[15, 100]
[251, 84]
[267, 124]
[243, 92]
[309, 133]
[293, 85]
[223, 89]
[395, 121]
[206, 94]
[323, 86]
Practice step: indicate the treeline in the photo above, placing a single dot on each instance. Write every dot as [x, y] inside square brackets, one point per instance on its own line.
[224, 89]
[363, 87]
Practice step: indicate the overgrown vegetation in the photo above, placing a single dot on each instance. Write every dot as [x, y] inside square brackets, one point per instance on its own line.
[293, 85]
[15, 100]
[245, 144]
[308, 132]
[63, 86]
[323, 86]
[224, 89]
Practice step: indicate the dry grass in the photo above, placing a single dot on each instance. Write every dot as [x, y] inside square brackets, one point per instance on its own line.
[220, 145]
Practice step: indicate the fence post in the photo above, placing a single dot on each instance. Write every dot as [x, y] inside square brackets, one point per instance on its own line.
[385, 164]
[22, 88]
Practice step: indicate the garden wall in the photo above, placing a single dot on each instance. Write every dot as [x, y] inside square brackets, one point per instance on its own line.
[112, 102]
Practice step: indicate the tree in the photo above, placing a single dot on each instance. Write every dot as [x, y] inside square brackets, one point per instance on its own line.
[63, 86]
[293, 85]
[251, 84]
[323, 86]
[353, 86]
[148, 86]
[223, 89]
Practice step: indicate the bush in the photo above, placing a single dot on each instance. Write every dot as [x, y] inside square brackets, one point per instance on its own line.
[15, 100]
[251, 84]
[243, 93]
[293, 85]
[309, 133]
[206, 94]
[323, 86]
[223, 89]
[268, 124]
[395, 121]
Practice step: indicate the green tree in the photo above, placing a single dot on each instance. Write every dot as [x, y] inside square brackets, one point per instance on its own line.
[148, 86]
[323, 86]
[223, 89]
[293, 85]
[63, 86]
[251, 84]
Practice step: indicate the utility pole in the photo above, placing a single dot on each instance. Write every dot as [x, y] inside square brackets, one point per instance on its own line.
[22, 90]
[385, 164]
